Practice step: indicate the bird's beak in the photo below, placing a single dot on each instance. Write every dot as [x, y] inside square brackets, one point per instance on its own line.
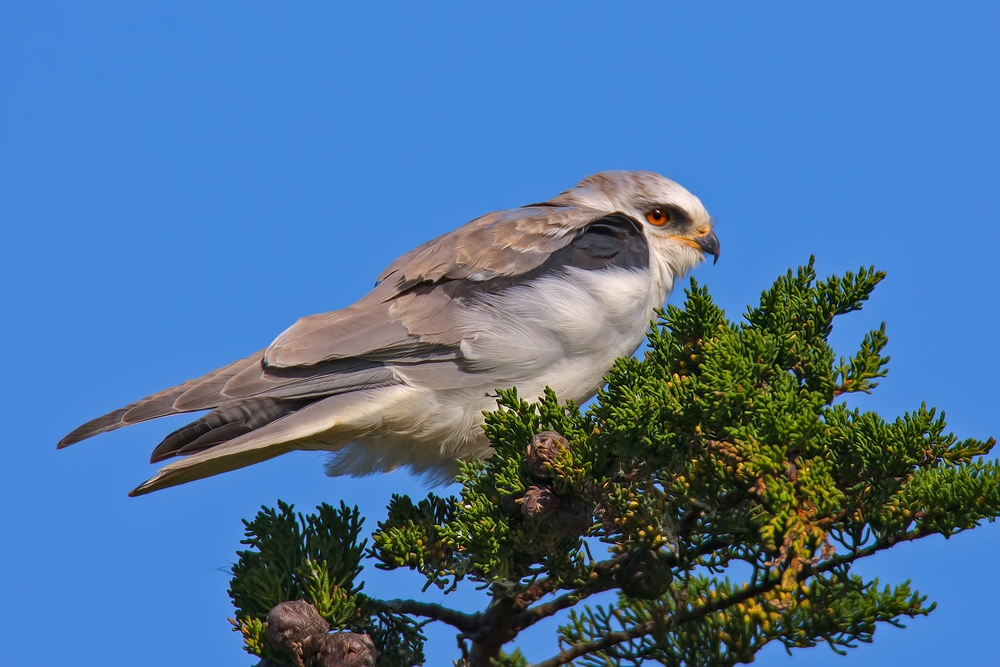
[709, 244]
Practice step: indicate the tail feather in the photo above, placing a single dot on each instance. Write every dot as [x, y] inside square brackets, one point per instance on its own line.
[273, 439]
[161, 404]
[224, 424]
[263, 416]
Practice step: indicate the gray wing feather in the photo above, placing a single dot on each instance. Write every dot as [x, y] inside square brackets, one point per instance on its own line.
[396, 323]
[503, 243]
[368, 329]
[334, 378]
[235, 384]
[401, 332]
[393, 319]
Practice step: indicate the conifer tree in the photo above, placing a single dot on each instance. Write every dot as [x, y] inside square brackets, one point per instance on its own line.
[729, 448]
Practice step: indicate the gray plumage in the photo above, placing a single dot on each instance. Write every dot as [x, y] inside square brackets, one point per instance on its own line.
[544, 295]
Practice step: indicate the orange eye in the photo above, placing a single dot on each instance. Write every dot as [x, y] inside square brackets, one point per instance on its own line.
[658, 217]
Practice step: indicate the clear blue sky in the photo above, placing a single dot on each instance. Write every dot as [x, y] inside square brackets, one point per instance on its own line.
[180, 181]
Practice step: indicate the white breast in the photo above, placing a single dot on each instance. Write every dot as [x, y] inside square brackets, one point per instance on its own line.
[564, 330]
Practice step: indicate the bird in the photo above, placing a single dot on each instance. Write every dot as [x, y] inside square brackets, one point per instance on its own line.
[544, 295]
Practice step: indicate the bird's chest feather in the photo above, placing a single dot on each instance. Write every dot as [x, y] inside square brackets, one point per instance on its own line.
[563, 330]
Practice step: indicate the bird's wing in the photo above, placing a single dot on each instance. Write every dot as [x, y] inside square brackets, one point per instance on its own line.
[398, 322]
[407, 314]
[503, 243]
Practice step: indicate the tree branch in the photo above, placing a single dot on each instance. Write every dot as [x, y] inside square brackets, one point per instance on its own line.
[457, 619]
[661, 624]
[565, 601]
[604, 582]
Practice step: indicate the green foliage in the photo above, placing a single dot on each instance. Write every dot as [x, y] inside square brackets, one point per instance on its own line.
[314, 557]
[410, 537]
[834, 609]
[728, 448]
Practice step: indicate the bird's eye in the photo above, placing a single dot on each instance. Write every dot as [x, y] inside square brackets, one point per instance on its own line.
[658, 217]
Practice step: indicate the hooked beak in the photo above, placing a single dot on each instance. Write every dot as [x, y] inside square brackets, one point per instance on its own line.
[709, 244]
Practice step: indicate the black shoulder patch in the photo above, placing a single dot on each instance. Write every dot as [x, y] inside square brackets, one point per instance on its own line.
[615, 240]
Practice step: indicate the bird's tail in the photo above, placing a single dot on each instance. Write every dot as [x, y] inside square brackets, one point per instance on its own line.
[297, 430]
[238, 431]
[203, 393]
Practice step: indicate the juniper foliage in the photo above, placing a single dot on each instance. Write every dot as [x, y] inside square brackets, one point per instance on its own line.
[724, 450]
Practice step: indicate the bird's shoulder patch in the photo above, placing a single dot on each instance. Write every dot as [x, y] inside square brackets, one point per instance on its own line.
[615, 240]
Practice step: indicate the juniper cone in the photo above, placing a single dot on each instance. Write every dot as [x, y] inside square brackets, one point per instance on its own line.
[727, 487]
[347, 649]
[543, 450]
[296, 630]
[554, 517]
[538, 503]
[545, 295]
[645, 574]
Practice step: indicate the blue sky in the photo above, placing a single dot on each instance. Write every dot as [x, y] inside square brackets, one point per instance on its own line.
[180, 181]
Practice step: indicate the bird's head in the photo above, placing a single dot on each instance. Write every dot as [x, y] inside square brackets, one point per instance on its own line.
[679, 229]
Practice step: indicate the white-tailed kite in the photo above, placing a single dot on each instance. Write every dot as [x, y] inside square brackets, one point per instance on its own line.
[548, 294]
